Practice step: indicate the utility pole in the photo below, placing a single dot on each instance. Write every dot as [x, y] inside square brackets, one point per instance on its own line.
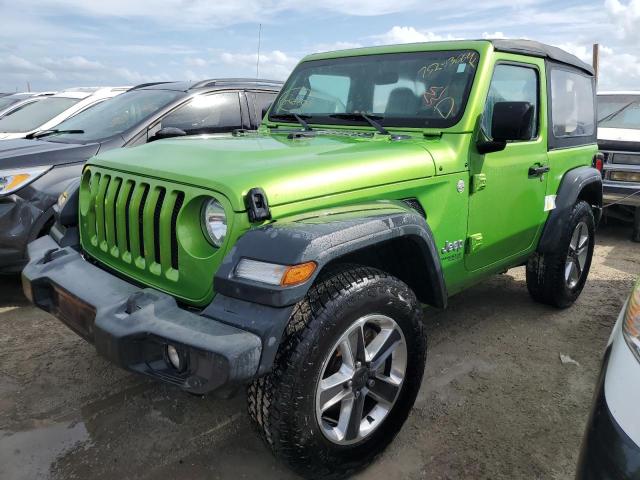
[258, 60]
[596, 59]
[28, 87]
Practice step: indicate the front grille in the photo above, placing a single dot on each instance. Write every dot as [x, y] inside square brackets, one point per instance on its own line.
[134, 221]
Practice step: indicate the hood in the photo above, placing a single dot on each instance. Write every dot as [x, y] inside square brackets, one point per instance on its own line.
[33, 153]
[289, 170]
[619, 134]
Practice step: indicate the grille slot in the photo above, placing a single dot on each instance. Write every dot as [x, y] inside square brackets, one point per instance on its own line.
[156, 225]
[141, 221]
[134, 222]
[174, 234]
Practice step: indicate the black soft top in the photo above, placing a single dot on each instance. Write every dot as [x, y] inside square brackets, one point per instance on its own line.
[537, 49]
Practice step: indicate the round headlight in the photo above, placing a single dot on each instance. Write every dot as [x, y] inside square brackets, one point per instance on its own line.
[214, 222]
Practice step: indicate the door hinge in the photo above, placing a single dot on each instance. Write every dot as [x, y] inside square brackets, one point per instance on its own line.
[478, 182]
[474, 242]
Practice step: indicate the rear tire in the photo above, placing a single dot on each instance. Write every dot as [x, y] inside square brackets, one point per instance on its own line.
[557, 278]
[331, 364]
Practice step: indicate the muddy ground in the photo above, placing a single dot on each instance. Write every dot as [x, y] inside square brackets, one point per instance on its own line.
[496, 401]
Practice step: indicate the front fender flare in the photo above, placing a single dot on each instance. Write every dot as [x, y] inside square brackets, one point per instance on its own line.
[325, 237]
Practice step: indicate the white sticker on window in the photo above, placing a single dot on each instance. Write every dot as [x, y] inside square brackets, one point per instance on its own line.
[549, 202]
[461, 67]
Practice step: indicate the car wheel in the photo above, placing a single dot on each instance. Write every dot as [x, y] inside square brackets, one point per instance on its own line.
[345, 376]
[558, 278]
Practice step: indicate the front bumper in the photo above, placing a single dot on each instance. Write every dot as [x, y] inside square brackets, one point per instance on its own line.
[132, 326]
[17, 220]
[619, 192]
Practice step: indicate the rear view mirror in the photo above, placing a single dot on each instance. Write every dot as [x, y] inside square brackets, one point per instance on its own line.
[386, 78]
[509, 121]
[167, 132]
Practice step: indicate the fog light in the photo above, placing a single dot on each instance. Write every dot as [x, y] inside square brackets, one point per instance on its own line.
[174, 358]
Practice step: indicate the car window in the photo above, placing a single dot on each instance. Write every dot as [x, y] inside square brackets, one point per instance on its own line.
[117, 114]
[261, 100]
[32, 115]
[213, 113]
[572, 106]
[619, 111]
[512, 83]
[8, 101]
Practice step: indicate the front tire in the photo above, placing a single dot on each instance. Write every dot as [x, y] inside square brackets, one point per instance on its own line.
[346, 375]
[557, 278]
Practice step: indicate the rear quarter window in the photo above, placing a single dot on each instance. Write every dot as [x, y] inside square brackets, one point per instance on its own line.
[572, 104]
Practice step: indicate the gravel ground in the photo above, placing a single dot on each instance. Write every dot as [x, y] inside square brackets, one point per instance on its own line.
[496, 401]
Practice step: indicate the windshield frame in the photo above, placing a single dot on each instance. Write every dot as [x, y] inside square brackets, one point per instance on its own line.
[414, 123]
[626, 101]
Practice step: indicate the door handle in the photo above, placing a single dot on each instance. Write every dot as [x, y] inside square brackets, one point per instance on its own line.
[538, 170]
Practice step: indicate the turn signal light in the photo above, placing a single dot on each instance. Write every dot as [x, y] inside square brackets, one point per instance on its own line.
[296, 274]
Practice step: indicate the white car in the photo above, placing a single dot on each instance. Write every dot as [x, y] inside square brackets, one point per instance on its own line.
[9, 103]
[611, 446]
[48, 112]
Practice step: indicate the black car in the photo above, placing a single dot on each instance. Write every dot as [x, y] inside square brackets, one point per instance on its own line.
[35, 171]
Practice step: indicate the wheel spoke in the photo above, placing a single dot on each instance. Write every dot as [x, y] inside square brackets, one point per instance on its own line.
[334, 388]
[573, 244]
[584, 241]
[355, 417]
[568, 268]
[356, 344]
[348, 357]
[578, 269]
[384, 390]
[383, 348]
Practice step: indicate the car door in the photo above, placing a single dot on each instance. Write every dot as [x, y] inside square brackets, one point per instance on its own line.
[213, 113]
[507, 202]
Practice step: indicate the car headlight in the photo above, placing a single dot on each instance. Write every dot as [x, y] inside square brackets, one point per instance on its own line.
[631, 325]
[214, 222]
[13, 180]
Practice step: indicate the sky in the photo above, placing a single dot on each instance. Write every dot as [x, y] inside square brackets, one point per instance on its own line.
[55, 44]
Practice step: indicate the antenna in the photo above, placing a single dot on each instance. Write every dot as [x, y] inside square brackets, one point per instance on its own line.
[258, 60]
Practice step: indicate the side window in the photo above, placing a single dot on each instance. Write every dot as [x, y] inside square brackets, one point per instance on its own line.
[214, 113]
[512, 83]
[572, 109]
[261, 100]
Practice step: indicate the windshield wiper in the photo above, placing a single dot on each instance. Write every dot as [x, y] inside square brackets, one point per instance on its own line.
[370, 119]
[294, 116]
[617, 112]
[53, 131]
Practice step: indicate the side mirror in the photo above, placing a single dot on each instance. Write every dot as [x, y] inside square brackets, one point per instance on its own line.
[509, 121]
[167, 132]
[265, 109]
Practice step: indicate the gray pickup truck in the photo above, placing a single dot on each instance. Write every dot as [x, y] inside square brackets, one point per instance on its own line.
[619, 140]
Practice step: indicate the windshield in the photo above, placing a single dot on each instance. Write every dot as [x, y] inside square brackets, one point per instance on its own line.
[619, 111]
[421, 89]
[8, 101]
[117, 114]
[32, 115]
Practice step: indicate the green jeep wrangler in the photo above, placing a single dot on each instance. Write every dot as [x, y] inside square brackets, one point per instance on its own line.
[297, 259]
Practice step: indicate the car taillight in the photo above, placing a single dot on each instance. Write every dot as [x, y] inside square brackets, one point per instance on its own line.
[598, 161]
